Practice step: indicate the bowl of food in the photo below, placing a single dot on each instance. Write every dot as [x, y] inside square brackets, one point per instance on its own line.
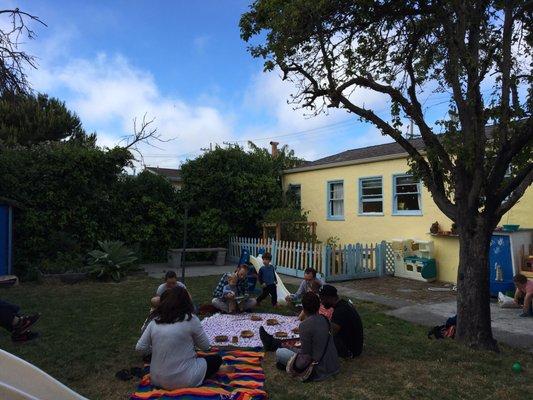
[281, 334]
[256, 318]
[221, 338]
[298, 344]
[247, 334]
[272, 322]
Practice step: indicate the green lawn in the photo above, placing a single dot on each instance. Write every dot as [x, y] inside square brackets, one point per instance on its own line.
[89, 331]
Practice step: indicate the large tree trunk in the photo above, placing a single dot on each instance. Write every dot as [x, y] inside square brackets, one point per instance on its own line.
[473, 300]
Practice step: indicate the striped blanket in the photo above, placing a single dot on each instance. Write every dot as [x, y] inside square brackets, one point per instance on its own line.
[246, 383]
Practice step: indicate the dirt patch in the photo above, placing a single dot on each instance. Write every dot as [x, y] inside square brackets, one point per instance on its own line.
[407, 289]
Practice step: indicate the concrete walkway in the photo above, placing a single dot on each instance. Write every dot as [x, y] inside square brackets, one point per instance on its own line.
[507, 327]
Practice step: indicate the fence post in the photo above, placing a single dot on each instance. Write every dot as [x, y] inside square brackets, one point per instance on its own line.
[274, 252]
[325, 259]
[381, 261]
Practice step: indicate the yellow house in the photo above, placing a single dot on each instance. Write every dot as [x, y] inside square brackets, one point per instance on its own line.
[365, 195]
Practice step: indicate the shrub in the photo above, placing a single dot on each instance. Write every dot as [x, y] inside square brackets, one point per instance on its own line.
[113, 260]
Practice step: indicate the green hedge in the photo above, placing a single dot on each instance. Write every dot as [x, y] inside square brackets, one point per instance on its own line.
[71, 196]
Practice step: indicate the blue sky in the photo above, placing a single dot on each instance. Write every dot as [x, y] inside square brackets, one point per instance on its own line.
[184, 64]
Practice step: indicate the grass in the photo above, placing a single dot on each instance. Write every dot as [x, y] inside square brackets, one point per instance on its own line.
[89, 331]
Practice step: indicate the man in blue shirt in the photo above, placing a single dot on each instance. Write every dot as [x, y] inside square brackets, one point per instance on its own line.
[267, 278]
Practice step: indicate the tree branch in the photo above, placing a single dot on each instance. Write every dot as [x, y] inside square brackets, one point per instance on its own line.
[516, 194]
[436, 186]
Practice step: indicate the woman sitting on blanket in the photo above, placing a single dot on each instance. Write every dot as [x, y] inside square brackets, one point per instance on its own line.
[317, 345]
[171, 337]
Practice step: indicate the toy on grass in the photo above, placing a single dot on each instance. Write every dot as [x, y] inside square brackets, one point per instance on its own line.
[517, 367]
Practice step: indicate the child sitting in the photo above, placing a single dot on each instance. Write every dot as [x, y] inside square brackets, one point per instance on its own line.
[524, 294]
[229, 292]
[315, 288]
[267, 278]
[171, 281]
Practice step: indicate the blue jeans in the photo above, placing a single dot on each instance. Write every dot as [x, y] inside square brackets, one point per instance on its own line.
[284, 355]
[8, 312]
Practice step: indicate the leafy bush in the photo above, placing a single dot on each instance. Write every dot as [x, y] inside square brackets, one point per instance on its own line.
[73, 195]
[240, 184]
[113, 260]
[290, 230]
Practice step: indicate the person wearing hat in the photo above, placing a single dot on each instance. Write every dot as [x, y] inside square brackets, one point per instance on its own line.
[346, 324]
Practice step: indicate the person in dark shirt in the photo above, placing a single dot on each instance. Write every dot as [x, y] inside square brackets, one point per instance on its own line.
[346, 324]
[267, 278]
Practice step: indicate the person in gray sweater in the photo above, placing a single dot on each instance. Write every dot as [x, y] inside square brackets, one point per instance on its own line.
[172, 337]
[315, 338]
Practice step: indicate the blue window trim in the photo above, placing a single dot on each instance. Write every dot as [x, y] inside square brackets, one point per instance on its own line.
[360, 197]
[405, 212]
[330, 217]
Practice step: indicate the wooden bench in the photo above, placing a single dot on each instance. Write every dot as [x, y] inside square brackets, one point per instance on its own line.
[174, 255]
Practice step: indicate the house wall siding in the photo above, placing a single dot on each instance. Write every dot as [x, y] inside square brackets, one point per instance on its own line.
[355, 228]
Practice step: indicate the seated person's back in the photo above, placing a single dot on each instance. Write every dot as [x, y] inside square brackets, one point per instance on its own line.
[346, 323]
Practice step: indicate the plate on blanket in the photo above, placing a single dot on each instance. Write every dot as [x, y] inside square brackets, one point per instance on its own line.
[272, 322]
[281, 334]
[221, 338]
[247, 334]
[256, 318]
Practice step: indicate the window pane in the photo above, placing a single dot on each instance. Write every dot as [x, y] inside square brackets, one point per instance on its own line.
[337, 208]
[407, 189]
[336, 191]
[405, 180]
[372, 191]
[294, 195]
[371, 183]
[373, 207]
[407, 202]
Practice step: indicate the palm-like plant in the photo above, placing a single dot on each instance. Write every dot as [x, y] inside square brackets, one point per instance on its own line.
[113, 260]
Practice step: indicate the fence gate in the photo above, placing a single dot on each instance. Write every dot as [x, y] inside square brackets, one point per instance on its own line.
[334, 263]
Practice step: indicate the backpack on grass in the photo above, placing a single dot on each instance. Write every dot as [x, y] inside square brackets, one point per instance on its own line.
[444, 331]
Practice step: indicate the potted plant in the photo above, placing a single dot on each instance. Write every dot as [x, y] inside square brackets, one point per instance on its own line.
[454, 229]
[434, 229]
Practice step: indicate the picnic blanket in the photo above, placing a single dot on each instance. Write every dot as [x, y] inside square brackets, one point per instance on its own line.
[246, 383]
[232, 325]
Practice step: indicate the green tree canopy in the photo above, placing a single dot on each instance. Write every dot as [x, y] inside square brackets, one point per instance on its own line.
[26, 119]
[478, 52]
[235, 187]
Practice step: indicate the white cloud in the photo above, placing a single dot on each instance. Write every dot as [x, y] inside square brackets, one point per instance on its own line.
[108, 93]
[323, 134]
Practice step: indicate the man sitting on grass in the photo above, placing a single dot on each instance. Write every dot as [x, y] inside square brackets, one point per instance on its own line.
[18, 325]
[346, 324]
[524, 294]
[309, 284]
[171, 281]
[222, 302]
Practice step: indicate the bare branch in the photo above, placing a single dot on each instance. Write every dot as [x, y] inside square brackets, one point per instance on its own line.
[146, 134]
[12, 60]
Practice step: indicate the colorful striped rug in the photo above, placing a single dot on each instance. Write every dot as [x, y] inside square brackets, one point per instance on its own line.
[246, 383]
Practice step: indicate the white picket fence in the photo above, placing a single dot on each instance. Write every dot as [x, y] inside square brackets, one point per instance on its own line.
[334, 263]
